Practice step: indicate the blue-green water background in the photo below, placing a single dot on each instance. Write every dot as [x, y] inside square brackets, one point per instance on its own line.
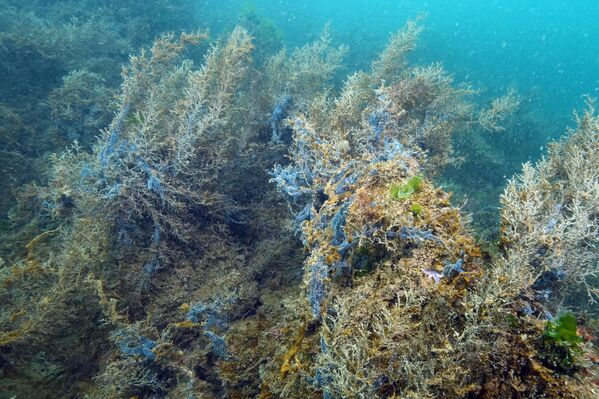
[548, 50]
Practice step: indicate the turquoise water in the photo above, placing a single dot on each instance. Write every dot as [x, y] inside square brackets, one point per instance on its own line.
[548, 50]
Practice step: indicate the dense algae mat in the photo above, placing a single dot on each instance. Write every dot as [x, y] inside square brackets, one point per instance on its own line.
[166, 262]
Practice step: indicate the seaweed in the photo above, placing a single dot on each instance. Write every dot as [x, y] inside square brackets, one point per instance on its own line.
[405, 190]
[561, 343]
[416, 209]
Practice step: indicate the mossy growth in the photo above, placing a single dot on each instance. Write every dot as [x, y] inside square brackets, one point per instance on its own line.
[561, 343]
[405, 191]
[416, 209]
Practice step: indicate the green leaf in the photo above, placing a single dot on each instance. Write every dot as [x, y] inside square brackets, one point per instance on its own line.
[415, 183]
[563, 329]
[405, 190]
[416, 209]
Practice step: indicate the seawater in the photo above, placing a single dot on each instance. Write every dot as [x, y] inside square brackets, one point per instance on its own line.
[548, 50]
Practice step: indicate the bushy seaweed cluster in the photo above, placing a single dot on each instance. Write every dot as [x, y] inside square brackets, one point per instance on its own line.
[398, 302]
[155, 214]
[549, 219]
[60, 63]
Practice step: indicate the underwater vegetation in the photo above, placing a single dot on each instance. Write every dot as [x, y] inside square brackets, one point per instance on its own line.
[226, 220]
[562, 340]
[406, 190]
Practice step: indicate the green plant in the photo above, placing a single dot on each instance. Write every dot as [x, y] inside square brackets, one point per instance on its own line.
[561, 342]
[562, 330]
[404, 191]
[416, 209]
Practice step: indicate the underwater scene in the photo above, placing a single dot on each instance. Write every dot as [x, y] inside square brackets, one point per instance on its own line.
[277, 199]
